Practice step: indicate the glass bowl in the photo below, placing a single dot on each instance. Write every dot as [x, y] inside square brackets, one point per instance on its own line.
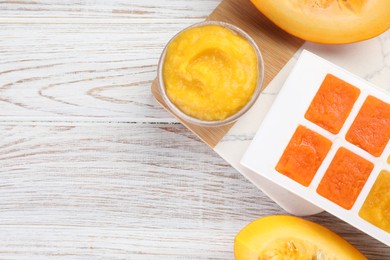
[259, 87]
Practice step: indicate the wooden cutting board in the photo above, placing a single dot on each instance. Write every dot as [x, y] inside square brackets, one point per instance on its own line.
[277, 47]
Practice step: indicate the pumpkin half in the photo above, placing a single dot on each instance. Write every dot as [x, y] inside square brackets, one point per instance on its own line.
[328, 21]
[287, 237]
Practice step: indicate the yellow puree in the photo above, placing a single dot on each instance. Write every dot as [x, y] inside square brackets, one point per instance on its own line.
[210, 72]
[376, 208]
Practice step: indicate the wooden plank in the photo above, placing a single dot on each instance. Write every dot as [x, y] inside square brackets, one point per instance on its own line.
[112, 192]
[101, 191]
[83, 72]
[115, 9]
[277, 47]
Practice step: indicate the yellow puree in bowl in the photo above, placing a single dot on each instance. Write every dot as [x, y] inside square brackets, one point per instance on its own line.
[210, 72]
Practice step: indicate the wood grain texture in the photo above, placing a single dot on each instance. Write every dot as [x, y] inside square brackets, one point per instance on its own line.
[126, 192]
[91, 167]
[80, 71]
[118, 192]
[277, 48]
[101, 9]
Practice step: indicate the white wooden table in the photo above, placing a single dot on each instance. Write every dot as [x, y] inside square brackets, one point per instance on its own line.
[91, 167]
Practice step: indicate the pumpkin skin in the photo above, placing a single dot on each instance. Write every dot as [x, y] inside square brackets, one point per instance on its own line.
[328, 21]
[288, 237]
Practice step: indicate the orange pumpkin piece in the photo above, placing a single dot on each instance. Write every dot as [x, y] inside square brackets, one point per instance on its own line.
[371, 128]
[328, 21]
[288, 237]
[303, 155]
[332, 103]
[376, 208]
[345, 178]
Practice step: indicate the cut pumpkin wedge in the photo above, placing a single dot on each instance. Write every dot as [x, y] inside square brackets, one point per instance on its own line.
[328, 21]
[287, 237]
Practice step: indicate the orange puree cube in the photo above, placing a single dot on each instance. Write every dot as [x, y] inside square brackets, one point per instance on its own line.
[345, 178]
[371, 128]
[332, 104]
[303, 155]
[376, 208]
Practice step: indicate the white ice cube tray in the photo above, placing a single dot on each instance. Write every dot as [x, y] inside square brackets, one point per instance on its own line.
[287, 112]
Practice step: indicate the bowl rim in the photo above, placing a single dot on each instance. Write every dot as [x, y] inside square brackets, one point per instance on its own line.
[193, 120]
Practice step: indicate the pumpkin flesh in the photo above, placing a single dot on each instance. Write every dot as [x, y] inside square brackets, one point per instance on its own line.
[328, 21]
[288, 237]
